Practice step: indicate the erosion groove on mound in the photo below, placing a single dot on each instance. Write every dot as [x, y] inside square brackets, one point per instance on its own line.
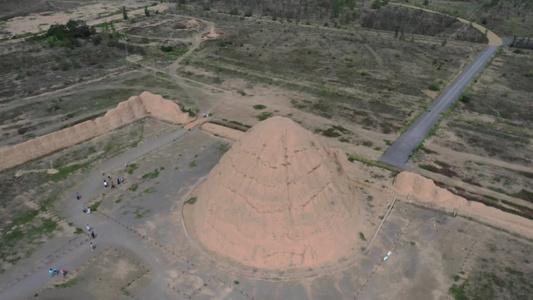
[279, 199]
[424, 190]
[135, 108]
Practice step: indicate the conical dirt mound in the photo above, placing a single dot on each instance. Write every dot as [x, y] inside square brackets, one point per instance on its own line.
[279, 198]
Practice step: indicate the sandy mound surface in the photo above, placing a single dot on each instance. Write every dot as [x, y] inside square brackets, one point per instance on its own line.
[425, 190]
[137, 107]
[225, 132]
[279, 198]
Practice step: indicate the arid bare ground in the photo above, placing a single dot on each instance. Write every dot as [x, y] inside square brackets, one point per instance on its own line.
[343, 82]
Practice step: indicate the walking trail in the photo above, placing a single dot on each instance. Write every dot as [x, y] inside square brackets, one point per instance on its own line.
[109, 233]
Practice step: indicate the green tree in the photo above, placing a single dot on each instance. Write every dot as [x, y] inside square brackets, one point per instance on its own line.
[146, 11]
[124, 13]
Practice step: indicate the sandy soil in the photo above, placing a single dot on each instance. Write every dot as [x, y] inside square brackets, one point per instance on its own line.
[225, 132]
[93, 13]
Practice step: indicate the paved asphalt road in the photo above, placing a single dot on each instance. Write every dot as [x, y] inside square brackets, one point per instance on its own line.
[398, 154]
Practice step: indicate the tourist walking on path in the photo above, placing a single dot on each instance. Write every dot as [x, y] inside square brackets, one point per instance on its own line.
[84, 209]
[92, 246]
[93, 235]
[112, 185]
[89, 228]
[105, 184]
[78, 196]
[88, 210]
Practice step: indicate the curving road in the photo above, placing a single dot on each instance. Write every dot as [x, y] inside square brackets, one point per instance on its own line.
[400, 151]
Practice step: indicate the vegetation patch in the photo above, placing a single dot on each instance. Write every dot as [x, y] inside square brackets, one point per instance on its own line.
[191, 200]
[131, 168]
[67, 284]
[264, 115]
[95, 206]
[152, 175]
[259, 107]
[149, 190]
[134, 187]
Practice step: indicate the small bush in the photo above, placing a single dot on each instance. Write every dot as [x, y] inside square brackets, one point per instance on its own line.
[259, 107]
[362, 236]
[225, 43]
[167, 48]
[465, 98]
[264, 115]
[434, 87]
[191, 200]
[367, 143]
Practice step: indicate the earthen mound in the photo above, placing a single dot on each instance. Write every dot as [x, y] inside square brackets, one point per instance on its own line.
[213, 34]
[278, 199]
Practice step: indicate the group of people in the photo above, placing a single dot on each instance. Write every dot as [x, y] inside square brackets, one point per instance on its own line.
[56, 271]
[106, 184]
[86, 210]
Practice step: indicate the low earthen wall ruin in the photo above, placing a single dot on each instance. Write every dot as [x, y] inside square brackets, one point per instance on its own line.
[135, 108]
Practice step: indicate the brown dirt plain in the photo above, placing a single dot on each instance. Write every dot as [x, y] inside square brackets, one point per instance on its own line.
[355, 88]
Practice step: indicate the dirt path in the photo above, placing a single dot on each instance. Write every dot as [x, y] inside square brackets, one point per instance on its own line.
[26, 285]
[494, 39]
[197, 40]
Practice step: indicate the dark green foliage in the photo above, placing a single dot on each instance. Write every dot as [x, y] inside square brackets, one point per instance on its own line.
[264, 115]
[191, 200]
[167, 48]
[434, 87]
[124, 13]
[146, 11]
[259, 107]
[465, 98]
[225, 43]
[331, 132]
[67, 35]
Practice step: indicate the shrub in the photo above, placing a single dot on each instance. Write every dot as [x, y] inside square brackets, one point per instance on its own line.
[259, 106]
[97, 40]
[264, 115]
[434, 87]
[225, 43]
[167, 48]
[465, 98]
[64, 65]
[376, 5]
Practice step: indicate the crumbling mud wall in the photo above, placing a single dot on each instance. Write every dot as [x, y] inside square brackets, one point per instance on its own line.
[135, 108]
[424, 190]
[225, 132]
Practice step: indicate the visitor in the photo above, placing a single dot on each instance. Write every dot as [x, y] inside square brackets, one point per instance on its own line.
[84, 209]
[77, 195]
[88, 210]
[88, 228]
